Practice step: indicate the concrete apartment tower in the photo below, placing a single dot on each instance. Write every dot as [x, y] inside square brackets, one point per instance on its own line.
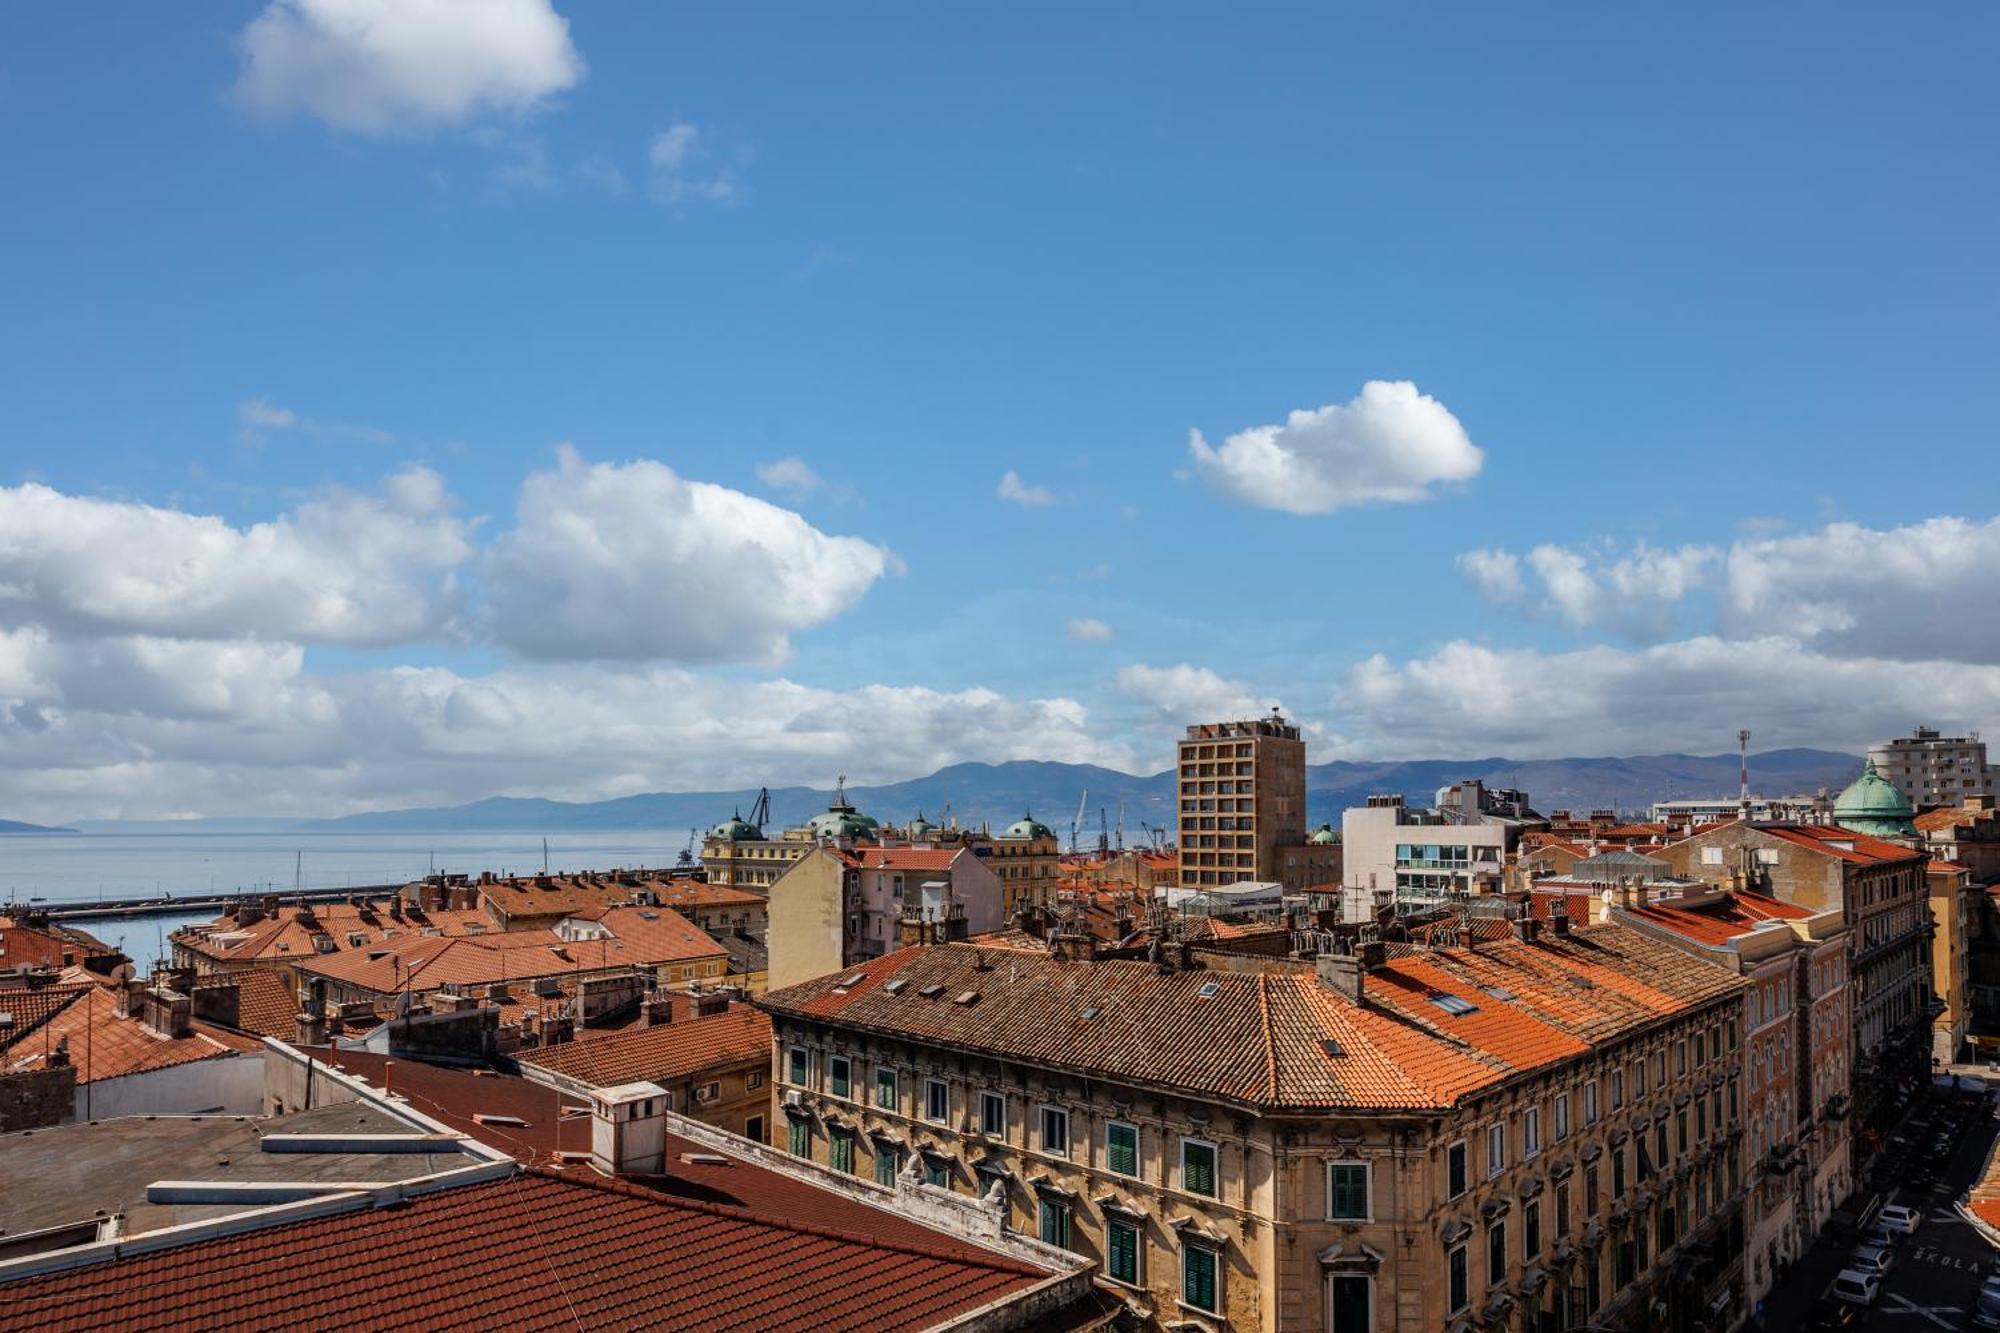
[1242, 797]
[1932, 770]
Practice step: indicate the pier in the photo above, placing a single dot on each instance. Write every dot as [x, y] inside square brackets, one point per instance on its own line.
[120, 909]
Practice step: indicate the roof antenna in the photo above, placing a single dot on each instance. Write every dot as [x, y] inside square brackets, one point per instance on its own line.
[1743, 774]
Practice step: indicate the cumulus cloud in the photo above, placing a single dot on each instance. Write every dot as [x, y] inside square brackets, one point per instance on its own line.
[794, 477]
[1089, 630]
[1468, 698]
[1186, 693]
[1016, 491]
[1923, 590]
[258, 419]
[271, 737]
[390, 66]
[1496, 574]
[681, 162]
[632, 561]
[341, 568]
[1632, 593]
[1389, 445]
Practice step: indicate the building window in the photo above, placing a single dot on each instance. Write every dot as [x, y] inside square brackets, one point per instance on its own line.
[992, 1114]
[840, 1075]
[1680, 1130]
[1590, 1191]
[1459, 1287]
[708, 1092]
[796, 1065]
[799, 1139]
[1121, 1251]
[1055, 1131]
[1639, 1077]
[1617, 1088]
[1531, 1132]
[1618, 1172]
[1562, 1116]
[1455, 1169]
[1054, 1223]
[1531, 1231]
[1121, 1148]
[840, 1151]
[937, 1172]
[1590, 1102]
[885, 1089]
[754, 1079]
[1347, 1191]
[1201, 1278]
[888, 1161]
[1496, 1150]
[937, 1101]
[1496, 1254]
[1562, 1209]
[1198, 1167]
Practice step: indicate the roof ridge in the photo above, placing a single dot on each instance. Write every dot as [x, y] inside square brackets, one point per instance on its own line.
[980, 1258]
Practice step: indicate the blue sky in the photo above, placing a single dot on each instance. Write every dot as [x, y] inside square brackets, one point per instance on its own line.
[1703, 303]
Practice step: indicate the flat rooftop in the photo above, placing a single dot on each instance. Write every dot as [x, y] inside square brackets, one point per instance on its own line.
[69, 1173]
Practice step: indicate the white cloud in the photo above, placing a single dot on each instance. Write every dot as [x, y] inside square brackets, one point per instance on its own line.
[680, 158]
[1391, 444]
[632, 561]
[1634, 594]
[1924, 590]
[1496, 574]
[259, 418]
[262, 414]
[1185, 693]
[341, 568]
[1469, 699]
[794, 477]
[1013, 489]
[386, 66]
[1089, 630]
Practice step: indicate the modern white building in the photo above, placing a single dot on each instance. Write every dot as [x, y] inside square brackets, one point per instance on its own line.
[1421, 854]
[1930, 769]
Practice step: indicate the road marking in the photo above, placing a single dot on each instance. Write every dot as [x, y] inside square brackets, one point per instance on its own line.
[1930, 1312]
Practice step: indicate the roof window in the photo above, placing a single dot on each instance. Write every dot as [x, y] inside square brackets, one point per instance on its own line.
[854, 978]
[896, 987]
[1332, 1048]
[1451, 1004]
[1209, 990]
[1090, 1014]
[932, 991]
[1500, 993]
[966, 997]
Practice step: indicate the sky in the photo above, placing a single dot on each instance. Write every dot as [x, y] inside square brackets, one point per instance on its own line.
[411, 403]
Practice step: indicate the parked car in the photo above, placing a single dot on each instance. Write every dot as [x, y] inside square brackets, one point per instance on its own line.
[1900, 1218]
[1832, 1315]
[1876, 1259]
[1986, 1309]
[1855, 1287]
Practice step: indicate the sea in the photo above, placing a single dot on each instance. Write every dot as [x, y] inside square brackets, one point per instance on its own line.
[85, 867]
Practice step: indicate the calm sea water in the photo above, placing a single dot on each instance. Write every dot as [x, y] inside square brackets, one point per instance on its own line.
[83, 867]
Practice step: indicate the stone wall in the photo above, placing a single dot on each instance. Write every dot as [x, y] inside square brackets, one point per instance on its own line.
[36, 1098]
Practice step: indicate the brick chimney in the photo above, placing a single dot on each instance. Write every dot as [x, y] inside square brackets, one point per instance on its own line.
[166, 1013]
[1346, 973]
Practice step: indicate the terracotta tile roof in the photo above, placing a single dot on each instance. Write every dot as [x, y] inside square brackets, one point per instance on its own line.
[1258, 1037]
[906, 858]
[330, 928]
[740, 1035]
[1721, 920]
[103, 1045]
[31, 1008]
[697, 893]
[648, 935]
[266, 1003]
[1845, 843]
[24, 947]
[577, 1252]
[560, 895]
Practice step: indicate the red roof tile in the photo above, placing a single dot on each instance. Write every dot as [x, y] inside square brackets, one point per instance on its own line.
[103, 1045]
[738, 1036]
[536, 1251]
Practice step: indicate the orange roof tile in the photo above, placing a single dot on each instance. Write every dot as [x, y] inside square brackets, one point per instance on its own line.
[740, 1035]
[104, 1045]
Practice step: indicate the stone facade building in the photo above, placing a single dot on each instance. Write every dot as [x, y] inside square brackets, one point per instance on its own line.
[1522, 1132]
[838, 906]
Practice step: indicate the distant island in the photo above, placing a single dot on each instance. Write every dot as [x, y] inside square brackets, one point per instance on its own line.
[998, 794]
[16, 826]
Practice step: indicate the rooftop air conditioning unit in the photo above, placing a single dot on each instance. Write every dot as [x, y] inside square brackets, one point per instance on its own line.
[793, 1097]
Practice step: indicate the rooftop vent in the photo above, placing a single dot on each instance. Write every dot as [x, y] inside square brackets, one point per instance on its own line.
[1451, 1004]
[1500, 993]
[853, 979]
[966, 997]
[932, 991]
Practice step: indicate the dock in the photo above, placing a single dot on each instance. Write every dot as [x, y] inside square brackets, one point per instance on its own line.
[124, 909]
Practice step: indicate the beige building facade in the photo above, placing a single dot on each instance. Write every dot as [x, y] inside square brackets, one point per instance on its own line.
[1242, 792]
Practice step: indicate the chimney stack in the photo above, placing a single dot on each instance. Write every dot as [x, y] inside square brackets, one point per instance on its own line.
[628, 1129]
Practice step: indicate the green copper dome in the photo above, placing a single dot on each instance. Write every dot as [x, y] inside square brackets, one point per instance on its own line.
[919, 828]
[736, 829]
[1027, 826]
[1871, 804]
[1324, 834]
[841, 824]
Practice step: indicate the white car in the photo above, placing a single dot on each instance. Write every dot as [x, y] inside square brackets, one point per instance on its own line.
[1856, 1288]
[1896, 1217]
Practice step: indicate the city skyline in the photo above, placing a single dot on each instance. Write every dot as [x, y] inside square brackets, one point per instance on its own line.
[635, 402]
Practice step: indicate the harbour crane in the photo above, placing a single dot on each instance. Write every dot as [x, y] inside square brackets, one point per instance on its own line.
[1077, 821]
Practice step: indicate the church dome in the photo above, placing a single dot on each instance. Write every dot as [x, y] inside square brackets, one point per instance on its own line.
[736, 829]
[919, 828]
[1027, 826]
[1324, 835]
[1872, 804]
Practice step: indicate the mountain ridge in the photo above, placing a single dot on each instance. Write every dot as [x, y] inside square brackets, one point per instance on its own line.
[998, 794]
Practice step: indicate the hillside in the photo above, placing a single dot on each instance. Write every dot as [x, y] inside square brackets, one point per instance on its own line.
[998, 794]
[16, 826]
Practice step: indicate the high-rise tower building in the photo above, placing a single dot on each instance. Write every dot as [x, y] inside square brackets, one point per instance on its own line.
[1242, 796]
[1931, 769]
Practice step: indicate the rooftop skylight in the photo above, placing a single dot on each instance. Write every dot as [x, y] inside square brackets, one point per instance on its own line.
[1451, 1004]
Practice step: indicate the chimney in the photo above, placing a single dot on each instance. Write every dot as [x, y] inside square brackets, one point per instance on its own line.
[628, 1129]
[658, 1009]
[166, 1013]
[1526, 928]
[1559, 914]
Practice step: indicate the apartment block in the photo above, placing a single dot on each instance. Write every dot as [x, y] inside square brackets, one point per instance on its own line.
[1242, 797]
[1537, 1129]
[1931, 769]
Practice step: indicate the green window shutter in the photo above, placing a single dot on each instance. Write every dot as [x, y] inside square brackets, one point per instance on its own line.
[1350, 1192]
[1198, 1274]
[841, 1147]
[1123, 1247]
[885, 1089]
[1123, 1150]
[885, 1166]
[1198, 1169]
[800, 1139]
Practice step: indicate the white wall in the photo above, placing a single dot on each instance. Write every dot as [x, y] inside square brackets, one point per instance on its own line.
[229, 1083]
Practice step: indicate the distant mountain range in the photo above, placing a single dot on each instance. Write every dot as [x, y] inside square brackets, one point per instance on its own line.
[998, 794]
[16, 826]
